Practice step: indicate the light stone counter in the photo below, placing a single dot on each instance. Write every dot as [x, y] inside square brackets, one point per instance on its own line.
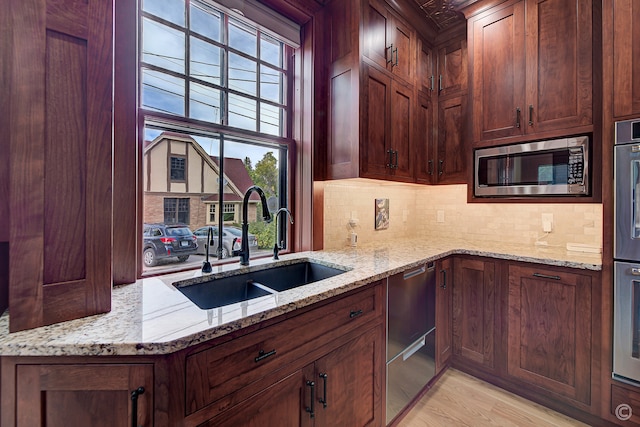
[152, 317]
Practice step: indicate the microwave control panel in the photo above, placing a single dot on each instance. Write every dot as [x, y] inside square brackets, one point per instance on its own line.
[576, 166]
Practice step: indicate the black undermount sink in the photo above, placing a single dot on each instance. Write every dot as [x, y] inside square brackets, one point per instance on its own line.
[218, 292]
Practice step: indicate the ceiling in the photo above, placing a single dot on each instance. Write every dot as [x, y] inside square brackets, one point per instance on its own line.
[442, 13]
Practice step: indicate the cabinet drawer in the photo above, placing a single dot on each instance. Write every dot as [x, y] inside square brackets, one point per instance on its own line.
[625, 404]
[221, 370]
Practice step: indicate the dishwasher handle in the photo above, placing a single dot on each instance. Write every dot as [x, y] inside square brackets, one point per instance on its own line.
[414, 273]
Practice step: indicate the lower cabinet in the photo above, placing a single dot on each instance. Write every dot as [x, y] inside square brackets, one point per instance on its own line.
[67, 395]
[474, 311]
[549, 330]
[342, 388]
[324, 367]
[444, 300]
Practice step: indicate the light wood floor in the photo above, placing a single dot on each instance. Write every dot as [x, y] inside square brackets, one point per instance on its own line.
[459, 400]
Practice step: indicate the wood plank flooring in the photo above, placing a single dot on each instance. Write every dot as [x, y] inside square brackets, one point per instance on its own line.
[459, 400]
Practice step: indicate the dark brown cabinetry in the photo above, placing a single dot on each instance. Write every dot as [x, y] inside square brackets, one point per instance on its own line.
[474, 312]
[444, 306]
[333, 354]
[549, 330]
[387, 127]
[60, 161]
[388, 40]
[622, 34]
[532, 68]
[78, 394]
[442, 117]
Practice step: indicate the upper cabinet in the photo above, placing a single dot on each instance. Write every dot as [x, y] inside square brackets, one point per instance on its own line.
[622, 17]
[388, 40]
[531, 68]
[372, 108]
[61, 103]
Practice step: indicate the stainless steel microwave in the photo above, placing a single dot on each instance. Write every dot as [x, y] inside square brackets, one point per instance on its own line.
[553, 167]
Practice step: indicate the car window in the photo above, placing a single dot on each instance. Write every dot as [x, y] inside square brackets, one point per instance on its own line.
[201, 232]
[234, 231]
[178, 231]
[156, 232]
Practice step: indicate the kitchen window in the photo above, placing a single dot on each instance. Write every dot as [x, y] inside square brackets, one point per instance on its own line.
[215, 95]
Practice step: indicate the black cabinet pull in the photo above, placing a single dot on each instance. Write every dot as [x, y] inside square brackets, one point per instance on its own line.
[324, 399]
[444, 279]
[430, 168]
[395, 163]
[134, 405]
[546, 276]
[518, 117]
[262, 355]
[390, 58]
[440, 83]
[530, 115]
[312, 409]
[390, 154]
[431, 80]
[396, 52]
[355, 313]
[440, 167]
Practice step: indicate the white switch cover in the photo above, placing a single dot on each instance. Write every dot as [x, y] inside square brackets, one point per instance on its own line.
[440, 216]
[547, 222]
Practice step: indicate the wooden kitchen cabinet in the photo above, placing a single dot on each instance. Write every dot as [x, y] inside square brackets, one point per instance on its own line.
[68, 395]
[532, 68]
[549, 330]
[475, 317]
[61, 103]
[442, 119]
[444, 307]
[343, 339]
[622, 35]
[387, 127]
[372, 107]
[388, 40]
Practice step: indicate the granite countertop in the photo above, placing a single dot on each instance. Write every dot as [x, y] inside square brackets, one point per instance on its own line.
[151, 316]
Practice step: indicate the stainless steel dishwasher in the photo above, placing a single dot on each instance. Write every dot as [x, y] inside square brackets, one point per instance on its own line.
[410, 335]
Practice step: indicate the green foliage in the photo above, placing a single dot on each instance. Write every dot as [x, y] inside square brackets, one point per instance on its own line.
[265, 233]
[265, 173]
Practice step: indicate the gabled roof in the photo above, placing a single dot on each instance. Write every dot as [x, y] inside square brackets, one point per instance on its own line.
[236, 172]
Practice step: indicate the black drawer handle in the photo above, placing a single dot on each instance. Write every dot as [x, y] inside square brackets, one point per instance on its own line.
[355, 313]
[324, 377]
[134, 405]
[546, 276]
[262, 355]
[312, 409]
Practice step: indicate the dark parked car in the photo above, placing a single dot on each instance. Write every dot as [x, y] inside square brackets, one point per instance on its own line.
[167, 240]
[229, 234]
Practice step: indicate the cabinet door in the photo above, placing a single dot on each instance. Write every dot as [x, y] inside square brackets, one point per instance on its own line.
[283, 404]
[498, 61]
[403, 49]
[377, 39]
[559, 65]
[424, 147]
[549, 325]
[474, 311]
[425, 77]
[349, 383]
[451, 158]
[444, 301]
[83, 395]
[60, 158]
[452, 68]
[626, 56]
[400, 125]
[375, 154]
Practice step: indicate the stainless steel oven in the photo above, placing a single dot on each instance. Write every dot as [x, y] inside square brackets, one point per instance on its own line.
[557, 167]
[626, 333]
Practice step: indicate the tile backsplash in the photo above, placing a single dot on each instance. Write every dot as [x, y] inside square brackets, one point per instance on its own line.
[442, 211]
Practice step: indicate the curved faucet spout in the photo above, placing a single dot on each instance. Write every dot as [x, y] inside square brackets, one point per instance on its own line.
[278, 245]
[266, 216]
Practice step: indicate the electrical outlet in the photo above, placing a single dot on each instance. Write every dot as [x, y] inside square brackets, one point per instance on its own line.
[440, 216]
[547, 222]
